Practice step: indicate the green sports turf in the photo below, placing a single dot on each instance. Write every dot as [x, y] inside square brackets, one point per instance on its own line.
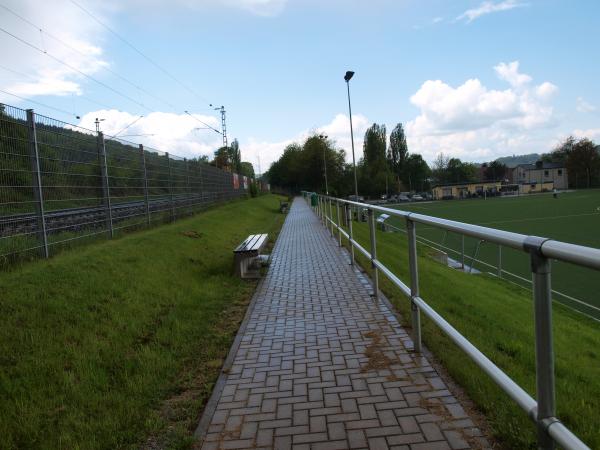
[572, 217]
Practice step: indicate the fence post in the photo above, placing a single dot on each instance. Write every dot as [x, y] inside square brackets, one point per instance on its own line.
[105, 184]
[146, 202]
[187, 186]
[201, 185]
[499, 261]
[348, 211]
[330, 217]
[544, 351]
[170, 188]
[36, 177]
[339, 219]
[373, 253]
[414, 284]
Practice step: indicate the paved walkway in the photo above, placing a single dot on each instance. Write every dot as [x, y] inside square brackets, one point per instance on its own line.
[321, 365]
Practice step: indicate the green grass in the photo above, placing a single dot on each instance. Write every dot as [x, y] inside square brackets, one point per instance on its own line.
[120, 342]
[497, 317]
[573, 217]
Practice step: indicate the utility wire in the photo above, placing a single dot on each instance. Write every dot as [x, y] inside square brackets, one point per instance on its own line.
[147, 58]
[203, 123]
[31, 77]
[29, 44]
[41, 104]
[131, 83]
[127, 126]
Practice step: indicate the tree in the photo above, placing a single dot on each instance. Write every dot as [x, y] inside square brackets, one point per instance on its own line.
[440, 168]
[246, 169]
[374, 166]
[235, 156]
[453, 170]
[495, 171]
[417, 173]
[583, 162]
[398, 152]
[221, 159]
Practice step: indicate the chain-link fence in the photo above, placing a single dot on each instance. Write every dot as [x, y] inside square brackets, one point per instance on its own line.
[61, 185]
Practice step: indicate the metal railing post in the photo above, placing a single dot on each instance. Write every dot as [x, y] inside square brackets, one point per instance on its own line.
[414, 284]
[339, 220]
[373, 253]
[105, 184]
[36, 177]
[499, 261]
[145, 172]
[330, 217]
[462, 251]
[544, 351]
[348, 211]
[170, 188]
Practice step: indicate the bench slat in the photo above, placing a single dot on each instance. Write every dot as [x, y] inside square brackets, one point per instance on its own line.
[243, 246]
[252, 243]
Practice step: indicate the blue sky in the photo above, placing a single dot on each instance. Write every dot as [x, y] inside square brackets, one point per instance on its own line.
[470, 79]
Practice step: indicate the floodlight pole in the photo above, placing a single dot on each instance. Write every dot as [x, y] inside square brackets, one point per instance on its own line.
[347, 78]
[323, 138]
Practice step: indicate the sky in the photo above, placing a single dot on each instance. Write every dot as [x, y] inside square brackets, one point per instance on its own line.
[471, 79]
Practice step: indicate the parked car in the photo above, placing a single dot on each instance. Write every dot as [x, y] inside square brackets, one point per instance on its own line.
[417, 198]
[403, 198]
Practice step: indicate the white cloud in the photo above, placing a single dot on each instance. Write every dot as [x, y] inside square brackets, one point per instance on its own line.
[437, 19]
[173, 133]
[474, 122]
[42, 74]
[177, 134]
[510, 73]
[591, 133]
[489, 7]
[337, 130]
[585, 107]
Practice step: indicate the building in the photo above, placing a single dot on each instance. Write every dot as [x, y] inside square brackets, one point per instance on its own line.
[488, 189]
[465, 190]
[541, 173]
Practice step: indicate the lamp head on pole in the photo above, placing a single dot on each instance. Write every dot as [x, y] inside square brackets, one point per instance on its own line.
[348, 76]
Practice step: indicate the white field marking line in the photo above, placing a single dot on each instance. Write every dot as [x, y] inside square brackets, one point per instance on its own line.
[422, 239]
[542, 218]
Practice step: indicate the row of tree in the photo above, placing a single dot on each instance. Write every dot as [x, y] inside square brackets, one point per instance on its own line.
[230, 159]
[389, 168]
[383, 169]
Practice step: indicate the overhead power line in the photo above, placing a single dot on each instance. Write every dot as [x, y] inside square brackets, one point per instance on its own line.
[203, 123]
[138, 51]
[31, 77]
[74, 49]
[41, 104]
[35, 47]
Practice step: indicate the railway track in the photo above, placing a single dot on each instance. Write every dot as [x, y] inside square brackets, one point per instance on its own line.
[76, 219]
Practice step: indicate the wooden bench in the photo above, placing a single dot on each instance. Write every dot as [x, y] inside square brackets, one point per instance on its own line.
[284, 205]
[247, 261]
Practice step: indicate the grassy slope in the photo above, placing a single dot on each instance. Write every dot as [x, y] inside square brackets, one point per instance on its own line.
[102, 346]
[498, 318]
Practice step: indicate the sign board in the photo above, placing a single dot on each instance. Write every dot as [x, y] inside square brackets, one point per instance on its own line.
[236, 181]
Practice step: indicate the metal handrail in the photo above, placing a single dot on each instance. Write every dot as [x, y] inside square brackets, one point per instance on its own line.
[550, 430]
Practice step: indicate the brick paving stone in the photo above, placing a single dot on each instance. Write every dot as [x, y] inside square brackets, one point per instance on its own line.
[302, 376]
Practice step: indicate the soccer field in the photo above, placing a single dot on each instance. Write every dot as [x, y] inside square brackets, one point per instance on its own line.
[572, 217]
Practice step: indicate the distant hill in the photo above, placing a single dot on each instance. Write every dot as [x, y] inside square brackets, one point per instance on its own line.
[515, 160]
